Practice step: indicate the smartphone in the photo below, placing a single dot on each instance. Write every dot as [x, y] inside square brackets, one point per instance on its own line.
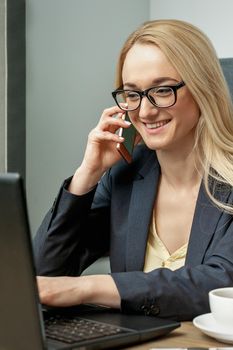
[129, 134]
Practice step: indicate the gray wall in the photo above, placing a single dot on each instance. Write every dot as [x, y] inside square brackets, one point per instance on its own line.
[72, 47]
[213, 17]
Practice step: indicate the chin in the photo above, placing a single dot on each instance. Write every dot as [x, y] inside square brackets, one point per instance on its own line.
[155, 146]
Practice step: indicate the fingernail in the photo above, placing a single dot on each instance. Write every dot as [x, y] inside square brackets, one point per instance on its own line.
[127, 122]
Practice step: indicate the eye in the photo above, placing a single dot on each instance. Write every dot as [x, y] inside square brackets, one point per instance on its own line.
[162, 91]
[131, 95]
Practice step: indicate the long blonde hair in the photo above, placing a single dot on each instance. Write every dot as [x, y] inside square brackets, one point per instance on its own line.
[194, 57]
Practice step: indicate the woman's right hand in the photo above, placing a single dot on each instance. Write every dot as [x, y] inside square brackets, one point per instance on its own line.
[101, 152]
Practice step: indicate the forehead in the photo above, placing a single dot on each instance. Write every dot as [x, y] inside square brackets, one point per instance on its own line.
[145, 63]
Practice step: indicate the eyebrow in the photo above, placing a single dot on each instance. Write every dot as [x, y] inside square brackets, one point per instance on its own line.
[154, 82]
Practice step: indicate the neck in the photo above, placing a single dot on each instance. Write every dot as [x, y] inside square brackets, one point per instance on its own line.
[179, 169]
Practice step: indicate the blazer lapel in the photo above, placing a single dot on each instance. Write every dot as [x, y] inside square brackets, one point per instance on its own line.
[141, 206]
[205, 221]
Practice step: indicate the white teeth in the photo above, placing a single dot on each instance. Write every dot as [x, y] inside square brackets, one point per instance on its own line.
[157, 125]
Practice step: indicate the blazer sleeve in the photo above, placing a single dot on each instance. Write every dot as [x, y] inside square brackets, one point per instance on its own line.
[76, 230]
[180, 294]
[74, 233]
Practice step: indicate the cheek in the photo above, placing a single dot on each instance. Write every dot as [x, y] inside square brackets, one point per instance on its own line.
[194, 113]
[189, 109]
[133, 116]
[191, 104]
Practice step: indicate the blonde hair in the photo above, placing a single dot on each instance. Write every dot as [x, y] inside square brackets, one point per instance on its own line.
[194, 57]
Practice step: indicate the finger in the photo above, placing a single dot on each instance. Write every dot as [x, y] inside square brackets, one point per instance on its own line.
[108, 136]
[110, 112]
[112, 124]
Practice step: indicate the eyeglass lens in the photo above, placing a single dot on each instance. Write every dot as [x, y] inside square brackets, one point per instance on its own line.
[160, 97]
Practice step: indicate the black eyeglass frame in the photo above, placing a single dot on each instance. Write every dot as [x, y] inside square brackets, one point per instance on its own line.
[146, 93]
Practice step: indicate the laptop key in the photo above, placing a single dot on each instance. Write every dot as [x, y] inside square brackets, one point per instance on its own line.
[72, 330]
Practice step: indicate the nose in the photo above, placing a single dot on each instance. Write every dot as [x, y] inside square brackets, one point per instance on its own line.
[147, 109]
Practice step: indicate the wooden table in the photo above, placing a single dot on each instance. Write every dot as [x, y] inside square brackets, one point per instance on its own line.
[183, 337]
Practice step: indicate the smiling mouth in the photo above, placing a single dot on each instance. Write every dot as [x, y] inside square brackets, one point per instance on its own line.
[157, 124]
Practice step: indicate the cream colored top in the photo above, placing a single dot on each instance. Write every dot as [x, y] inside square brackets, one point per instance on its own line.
[157, 254]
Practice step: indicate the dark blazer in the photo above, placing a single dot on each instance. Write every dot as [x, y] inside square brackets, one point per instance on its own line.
[114, 218]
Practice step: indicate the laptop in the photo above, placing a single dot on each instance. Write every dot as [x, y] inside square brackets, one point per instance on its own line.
[27, 325]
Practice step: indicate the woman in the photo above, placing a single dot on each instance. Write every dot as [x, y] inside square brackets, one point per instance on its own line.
[165, 218]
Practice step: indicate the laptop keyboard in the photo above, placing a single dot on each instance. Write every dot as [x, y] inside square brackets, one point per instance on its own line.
[71, 330]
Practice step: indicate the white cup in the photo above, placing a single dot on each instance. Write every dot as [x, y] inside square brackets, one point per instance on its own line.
[221, 306]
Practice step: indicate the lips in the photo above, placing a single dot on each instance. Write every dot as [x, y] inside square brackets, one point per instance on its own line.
[157, 124]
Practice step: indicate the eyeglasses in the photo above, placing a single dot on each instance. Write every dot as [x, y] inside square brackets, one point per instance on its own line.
[159, 96]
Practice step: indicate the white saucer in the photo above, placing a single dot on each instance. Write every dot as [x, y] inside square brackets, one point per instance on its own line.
[207, 324]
